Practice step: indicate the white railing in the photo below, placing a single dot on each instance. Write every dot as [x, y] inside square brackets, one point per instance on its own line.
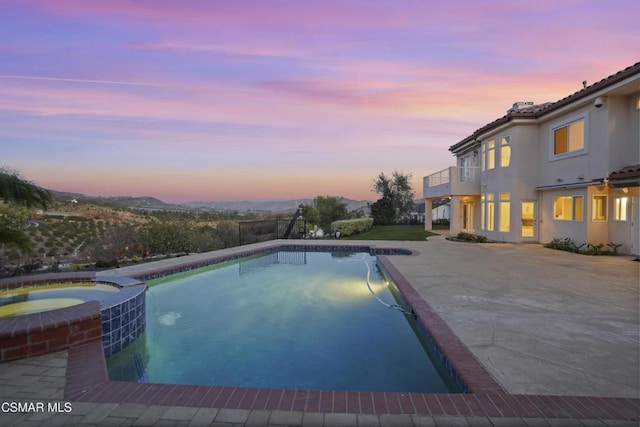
[452, 181]
[439, 178]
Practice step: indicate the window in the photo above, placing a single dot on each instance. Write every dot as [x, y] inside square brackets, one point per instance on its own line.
[482, 210]
[567, 208]
[490, 155]
[599, 208]
[490, 215]
[465, 169]
[568, 138]
[620, 208]
[505, 151]
[505, 209]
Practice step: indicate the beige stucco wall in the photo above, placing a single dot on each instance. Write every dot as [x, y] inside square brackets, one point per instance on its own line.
[551, 228]
[573, 168]
[624, 128]
[518, 179]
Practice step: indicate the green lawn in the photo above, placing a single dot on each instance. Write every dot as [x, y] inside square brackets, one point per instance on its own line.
[393, 232]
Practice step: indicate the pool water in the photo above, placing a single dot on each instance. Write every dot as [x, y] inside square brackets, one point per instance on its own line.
[36, 299]
[304, 320]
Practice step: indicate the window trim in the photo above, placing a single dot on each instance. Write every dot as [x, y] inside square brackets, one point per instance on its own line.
[565, 123]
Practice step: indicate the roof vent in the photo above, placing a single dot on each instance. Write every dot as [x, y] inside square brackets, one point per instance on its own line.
[517, 106]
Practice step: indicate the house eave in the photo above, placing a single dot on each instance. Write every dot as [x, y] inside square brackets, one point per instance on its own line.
[568, 185]
[631, 182]
[581, 96]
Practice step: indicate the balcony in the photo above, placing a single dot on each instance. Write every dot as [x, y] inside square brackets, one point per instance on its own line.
[453, 181]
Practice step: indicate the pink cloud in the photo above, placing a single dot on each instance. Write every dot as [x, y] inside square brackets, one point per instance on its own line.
[266, 49]
[233, 14]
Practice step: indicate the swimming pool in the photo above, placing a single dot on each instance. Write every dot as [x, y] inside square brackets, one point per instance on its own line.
[282, 319]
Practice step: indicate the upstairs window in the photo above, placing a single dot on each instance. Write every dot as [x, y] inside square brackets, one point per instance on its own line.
[465, 169]
[567, 208]
[490, 155]
[568, 138]
[505, 151]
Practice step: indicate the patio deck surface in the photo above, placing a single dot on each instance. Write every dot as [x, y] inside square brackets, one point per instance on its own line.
[553, 336]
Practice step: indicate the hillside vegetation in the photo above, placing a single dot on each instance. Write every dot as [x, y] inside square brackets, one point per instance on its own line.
[77, 233]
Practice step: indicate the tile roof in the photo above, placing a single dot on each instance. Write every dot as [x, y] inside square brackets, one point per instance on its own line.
[626, 175]
[535, 111]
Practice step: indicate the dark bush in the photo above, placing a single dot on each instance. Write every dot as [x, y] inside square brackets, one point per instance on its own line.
[112, 263]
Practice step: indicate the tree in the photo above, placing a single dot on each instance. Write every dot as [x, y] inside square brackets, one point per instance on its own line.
[225, 234]
[324, 211]
[17, 195]
[117, 242]
[167, 236]
[309, 213]
[383, 212]
[396, 202]
[14, 188]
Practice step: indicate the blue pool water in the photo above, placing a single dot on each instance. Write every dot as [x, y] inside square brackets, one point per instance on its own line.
[304, 320]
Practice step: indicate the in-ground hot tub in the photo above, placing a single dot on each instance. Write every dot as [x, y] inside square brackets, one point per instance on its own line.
[52, 312]
[51, 296]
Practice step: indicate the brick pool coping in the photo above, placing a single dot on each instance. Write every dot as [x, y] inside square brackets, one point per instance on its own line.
[87, 380]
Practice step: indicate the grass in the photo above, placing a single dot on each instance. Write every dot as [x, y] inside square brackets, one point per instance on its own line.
[393, 232]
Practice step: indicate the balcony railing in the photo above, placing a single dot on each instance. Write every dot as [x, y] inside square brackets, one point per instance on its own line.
[452, 181]
[438, 178]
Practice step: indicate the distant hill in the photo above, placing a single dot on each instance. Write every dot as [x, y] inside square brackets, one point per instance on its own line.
[144, 202]
[268, 205]
[151, 203]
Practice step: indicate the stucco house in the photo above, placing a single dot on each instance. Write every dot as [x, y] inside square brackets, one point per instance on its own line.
[569, 168]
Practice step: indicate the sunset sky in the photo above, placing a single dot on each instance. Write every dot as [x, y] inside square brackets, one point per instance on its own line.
[233, 100]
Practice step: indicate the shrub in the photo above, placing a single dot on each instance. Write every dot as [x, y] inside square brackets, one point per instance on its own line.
[594, 249]
[468, 237]
[565, 244]
[111, 263]
[569, 245]
[614, 247]
[347, 227]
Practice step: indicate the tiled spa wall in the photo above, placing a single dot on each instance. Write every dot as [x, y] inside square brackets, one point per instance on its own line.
[123, 316]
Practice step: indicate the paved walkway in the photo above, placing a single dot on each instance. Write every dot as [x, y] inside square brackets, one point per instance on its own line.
[541, 322]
